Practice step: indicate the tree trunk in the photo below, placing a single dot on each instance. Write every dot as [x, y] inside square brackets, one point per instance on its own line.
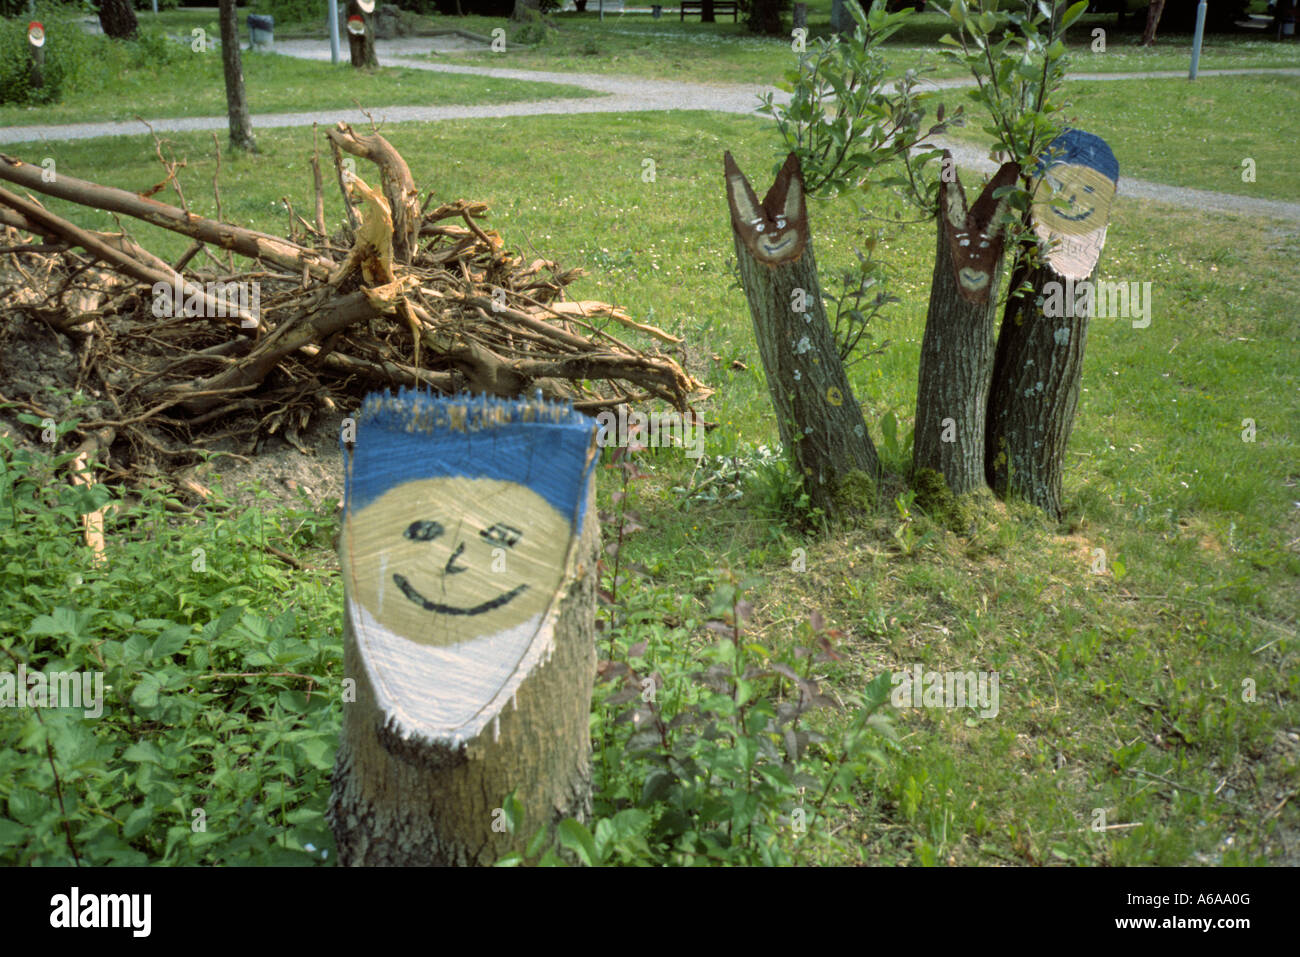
[957, 350]
[1036, 380]
[765, 17]
[361, 47]
[1154, 10]
[1039, 361]
[820, 421]
[117, 19]
[241, 127]
[706, 12]
[459, 705]
[841, 19]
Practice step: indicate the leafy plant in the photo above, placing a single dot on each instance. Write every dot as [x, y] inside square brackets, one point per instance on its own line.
[725, 753]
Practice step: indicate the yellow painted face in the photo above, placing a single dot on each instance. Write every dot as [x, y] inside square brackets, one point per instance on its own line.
[1072, 200]
[446, 560]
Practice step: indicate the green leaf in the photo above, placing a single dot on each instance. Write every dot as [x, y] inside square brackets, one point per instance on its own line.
[145, 695]
[1072, 14]
[143, 751]
[514, 811]
[575, 836]
[170, 641]
[11, 834]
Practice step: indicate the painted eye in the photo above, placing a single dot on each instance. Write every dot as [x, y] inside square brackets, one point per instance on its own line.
[759, 228]
[780, 222]
[501, 534]
[1089, 189]
[423, 531]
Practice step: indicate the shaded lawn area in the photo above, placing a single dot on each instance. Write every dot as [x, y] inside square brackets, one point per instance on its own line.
[1121, 691]
[723, 52]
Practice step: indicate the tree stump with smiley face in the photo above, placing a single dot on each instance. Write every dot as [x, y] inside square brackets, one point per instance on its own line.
[820, 421]
[468, 552]
[957, 349]
[1038, 367]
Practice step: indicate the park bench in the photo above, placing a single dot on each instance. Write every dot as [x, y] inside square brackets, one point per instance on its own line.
[719, 6]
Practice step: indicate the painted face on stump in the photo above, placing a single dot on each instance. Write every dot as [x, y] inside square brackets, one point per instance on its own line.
[442, 561]
[975, 239]
[775, 230]
[1072, 200]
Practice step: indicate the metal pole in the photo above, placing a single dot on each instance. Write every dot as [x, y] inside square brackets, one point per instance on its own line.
[1196, 40]
[155, 8]
[333, 31]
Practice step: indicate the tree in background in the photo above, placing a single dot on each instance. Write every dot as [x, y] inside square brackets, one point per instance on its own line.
[241, 126]
[767, 16]
[118, 19]
[1154, 10]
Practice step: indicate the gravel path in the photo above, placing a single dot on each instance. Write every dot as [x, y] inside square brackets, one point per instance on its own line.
[625, 94]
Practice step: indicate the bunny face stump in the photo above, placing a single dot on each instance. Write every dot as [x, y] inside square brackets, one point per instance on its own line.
[1076, 180]
[458, 532]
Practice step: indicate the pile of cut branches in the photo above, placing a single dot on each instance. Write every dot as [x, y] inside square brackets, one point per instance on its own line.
[402, 295]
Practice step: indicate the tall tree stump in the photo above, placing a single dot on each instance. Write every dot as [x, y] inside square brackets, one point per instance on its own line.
[468, 552]
[361, 34]
[820, 421]
[1039, 362]
[957, 349]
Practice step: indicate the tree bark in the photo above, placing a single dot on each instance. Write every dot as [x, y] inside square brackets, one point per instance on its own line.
[362, 48]
[707, 14]
[241, 127]
[957, 349]
[117, 19]
[1154, 10]
[406, 789]
[820, 421]
[1036, 380]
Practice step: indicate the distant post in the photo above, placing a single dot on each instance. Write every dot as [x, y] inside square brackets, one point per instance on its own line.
[334, 31]
[1196, 39]
[36, 47]
[468, 552]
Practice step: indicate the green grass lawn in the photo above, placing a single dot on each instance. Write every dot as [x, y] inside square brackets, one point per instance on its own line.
[192, 85]
[1122, 693]
[1187, 134]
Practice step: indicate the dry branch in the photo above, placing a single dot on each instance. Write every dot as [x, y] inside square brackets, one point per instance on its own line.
[407, 296]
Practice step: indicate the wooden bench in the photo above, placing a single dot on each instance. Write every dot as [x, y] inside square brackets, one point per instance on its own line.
[719, 6]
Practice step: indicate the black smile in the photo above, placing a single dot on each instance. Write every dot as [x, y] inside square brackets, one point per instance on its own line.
[409, 591]
[1074, 219]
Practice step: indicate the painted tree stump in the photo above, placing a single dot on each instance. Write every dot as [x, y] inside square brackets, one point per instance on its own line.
[1039, 362]
[957, 349]
[820, 421]
[468, 551]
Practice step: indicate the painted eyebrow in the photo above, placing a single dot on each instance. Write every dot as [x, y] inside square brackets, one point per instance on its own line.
[502, 534]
